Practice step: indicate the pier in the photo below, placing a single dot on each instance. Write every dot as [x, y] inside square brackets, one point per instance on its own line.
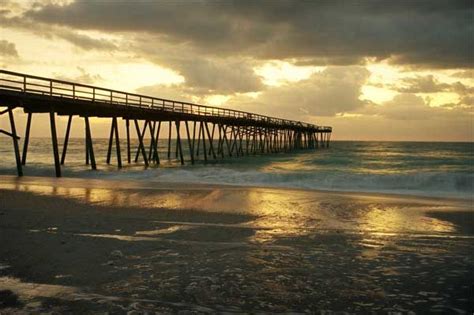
[212, 133]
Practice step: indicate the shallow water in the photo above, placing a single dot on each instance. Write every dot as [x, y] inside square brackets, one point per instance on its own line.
[417, 168]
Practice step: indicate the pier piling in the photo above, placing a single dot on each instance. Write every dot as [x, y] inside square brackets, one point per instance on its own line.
[216, 132]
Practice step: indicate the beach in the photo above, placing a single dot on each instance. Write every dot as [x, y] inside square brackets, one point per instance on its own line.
[75, 245]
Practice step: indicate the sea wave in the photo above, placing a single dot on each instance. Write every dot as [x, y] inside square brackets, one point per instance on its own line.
[460, 185]
[426, 169]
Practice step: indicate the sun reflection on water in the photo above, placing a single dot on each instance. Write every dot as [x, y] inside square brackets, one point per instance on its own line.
[277, 213]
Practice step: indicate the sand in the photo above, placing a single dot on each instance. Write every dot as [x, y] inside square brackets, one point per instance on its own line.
[88, 246]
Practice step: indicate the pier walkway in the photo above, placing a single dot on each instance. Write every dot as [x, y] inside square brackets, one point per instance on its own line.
[211, 132]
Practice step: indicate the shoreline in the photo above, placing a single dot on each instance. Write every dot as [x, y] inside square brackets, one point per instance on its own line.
[92, 182]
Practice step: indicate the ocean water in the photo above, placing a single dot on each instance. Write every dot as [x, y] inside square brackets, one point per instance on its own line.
[415, 168]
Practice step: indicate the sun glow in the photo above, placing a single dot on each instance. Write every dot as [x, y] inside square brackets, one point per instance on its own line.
[276, 73]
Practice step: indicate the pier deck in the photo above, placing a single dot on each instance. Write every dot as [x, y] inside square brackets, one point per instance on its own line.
[218, 131]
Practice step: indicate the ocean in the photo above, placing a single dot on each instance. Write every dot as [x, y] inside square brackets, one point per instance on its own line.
[415, 168]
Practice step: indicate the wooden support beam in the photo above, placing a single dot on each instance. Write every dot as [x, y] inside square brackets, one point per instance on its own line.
[117, 143]
[233, 140]
[89, 143]
[219, 138]
[127, 127]
[178, 140]
[177, 146]
[211, 146]
[5, 111]
[142, 136]
[27, 139]
[199, 138]
[240, 141]
[252, 140]
[151, 151]
[203, 142]
[224, 131]
[114, 132]
[157, 138]
[54, 141]
[220, 146]
[111, 139]
[15, 142]
[194, 134]
[9, 134]
[191, 153]
[66, 139]
[211, 137]
[247, 136]
[169, 140]
[141, 146]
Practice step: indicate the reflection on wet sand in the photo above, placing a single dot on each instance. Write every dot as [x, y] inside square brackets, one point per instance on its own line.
[289, 212]
[234, 249]
[277, 213]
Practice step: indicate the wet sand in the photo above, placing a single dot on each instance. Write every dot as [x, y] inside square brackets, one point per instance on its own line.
[88, 246]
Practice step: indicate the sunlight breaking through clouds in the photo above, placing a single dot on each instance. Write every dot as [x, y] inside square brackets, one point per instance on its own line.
[291, 60]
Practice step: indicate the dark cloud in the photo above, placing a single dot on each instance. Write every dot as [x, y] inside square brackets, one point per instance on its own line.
[51, 31]
[8, 49]
[85, 42]
[426, 33]
[422, 84]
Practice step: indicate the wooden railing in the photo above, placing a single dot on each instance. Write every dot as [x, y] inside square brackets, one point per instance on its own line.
[58, 88]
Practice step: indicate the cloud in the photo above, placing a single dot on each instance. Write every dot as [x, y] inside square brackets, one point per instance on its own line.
[334, 90]
[176, 92]
[83, 77]
[466, 74]
[427, 33]
[422, 84]
[327, 93]
[82, 41]
[411, 107]
[8, 49]
[203, 74]
[429, 84]
[216, 76]
[406, 106]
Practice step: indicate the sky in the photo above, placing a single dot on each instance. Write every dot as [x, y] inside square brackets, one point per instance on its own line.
[373, 70]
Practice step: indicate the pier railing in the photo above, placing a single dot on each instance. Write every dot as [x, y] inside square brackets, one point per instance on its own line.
[64, 89]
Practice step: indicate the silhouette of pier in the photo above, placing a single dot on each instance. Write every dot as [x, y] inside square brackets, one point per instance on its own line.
[212, 133]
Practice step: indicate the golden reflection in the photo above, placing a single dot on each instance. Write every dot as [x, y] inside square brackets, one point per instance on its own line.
[277, 213]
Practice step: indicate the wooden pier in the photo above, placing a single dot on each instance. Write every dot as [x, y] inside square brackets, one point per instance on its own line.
[212, 133]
